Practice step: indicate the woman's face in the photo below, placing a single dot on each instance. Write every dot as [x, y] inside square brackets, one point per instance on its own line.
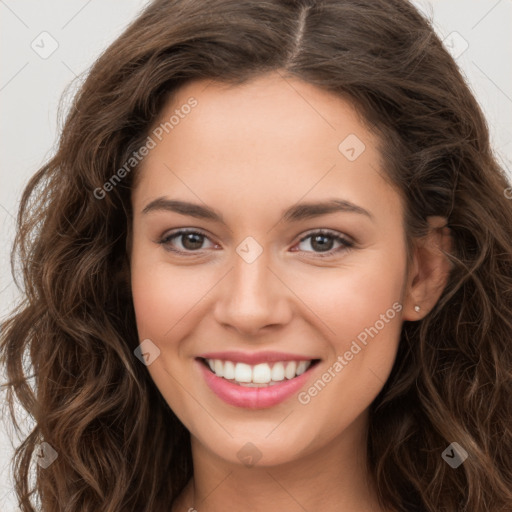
[257, 171]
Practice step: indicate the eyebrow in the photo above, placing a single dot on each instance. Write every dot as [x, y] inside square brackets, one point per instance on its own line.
[295, 213]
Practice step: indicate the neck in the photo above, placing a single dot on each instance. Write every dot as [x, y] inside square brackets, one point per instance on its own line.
[332, 479]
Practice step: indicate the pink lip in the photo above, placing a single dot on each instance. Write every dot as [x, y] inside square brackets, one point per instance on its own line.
[255, 357]
[252, 398]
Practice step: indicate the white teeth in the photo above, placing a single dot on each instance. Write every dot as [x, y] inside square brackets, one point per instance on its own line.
[290, 370]
[278, 372]
[260, 374]
[218, 367]
[243, 372]
[229, 370]
[301, 367]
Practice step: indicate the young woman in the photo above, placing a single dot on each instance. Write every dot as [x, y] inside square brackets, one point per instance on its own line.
[269, 268]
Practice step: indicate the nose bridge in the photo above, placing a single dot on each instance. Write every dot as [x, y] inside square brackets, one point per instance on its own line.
[252, 297]
[250, 288]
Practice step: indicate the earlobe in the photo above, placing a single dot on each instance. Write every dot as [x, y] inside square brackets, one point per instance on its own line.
[430, 270]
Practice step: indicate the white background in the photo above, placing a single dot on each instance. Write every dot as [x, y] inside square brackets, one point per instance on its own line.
[31, 87]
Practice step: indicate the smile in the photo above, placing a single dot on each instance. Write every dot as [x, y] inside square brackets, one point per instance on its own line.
[259, 375]
[258, 385]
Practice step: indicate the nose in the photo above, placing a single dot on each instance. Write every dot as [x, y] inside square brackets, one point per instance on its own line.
[253, 297]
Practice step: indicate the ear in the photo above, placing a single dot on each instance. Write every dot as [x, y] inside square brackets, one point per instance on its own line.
[429, 271]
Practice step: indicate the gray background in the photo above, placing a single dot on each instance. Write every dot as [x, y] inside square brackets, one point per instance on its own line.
[32, 82]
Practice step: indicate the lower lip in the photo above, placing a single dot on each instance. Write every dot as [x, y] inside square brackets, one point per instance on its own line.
[249, 397]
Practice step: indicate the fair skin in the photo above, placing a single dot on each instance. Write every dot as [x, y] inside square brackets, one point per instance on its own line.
[249, 152]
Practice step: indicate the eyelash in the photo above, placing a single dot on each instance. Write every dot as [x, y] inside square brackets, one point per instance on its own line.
[346, 244]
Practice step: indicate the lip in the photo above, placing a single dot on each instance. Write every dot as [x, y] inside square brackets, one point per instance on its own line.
[253, 358]
[249, 397]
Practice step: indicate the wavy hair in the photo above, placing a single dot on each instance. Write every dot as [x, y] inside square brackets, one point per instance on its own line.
[89, 396]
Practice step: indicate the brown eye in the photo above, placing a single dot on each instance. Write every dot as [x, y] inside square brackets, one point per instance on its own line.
[190, 241]
[323, 241]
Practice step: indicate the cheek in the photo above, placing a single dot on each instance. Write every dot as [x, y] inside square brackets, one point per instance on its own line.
[151, 299]
[360, 311]
[162, 298]
[163, 294]
[347, 300]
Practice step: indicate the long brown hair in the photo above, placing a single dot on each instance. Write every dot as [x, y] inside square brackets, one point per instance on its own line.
[119, 445]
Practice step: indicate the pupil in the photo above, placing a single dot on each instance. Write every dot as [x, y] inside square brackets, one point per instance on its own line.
[196, 239]
[322, 246]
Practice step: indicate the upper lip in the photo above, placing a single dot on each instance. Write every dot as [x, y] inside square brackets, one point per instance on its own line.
[253, 358]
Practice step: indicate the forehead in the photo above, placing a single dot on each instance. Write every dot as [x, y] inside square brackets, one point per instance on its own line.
[269, 140]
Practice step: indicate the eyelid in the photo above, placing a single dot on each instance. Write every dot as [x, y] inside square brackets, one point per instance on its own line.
[324, 231]
[166, 237]
[346, 241]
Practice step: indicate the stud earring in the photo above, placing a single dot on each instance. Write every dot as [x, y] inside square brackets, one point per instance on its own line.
[416, 308]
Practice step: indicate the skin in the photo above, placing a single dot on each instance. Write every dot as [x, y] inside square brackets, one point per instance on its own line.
[249, 152]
